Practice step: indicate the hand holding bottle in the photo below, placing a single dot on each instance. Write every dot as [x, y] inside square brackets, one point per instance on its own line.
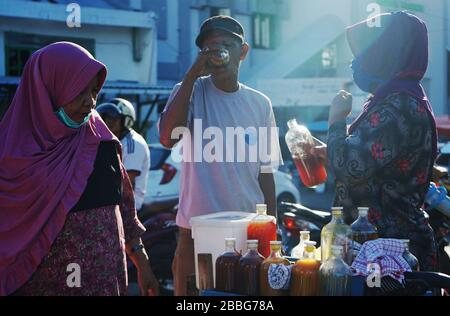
[200, 66]
[320, 151]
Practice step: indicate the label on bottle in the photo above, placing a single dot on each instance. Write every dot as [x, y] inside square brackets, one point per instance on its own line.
[279, 276]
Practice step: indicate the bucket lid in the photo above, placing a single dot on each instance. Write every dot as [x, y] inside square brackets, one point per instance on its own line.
[222, 219]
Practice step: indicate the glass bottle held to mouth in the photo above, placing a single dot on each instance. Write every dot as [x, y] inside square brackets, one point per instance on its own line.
[217, 56]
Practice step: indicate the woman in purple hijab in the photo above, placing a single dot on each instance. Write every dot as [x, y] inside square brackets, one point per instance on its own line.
[67, 215]
[385, 160]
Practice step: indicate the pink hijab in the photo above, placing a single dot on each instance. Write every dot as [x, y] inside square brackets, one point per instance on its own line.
[44, 165]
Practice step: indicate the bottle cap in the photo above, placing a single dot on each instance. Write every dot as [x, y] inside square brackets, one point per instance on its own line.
[310, 246]
[252, 244]
[363, 211]
[230, 241]
[291, 123]
[276, 242]
[337, 210]
[304, 235]
[261, 209]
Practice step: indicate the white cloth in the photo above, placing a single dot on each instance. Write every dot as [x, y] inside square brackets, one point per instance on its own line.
[386, 255]
[136, 156]
[217, 182]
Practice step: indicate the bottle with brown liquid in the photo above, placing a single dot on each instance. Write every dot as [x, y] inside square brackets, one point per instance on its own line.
[362, 229]
[409, 257]
[335, 275]
[305, 273]
[274, 258]
[249, 269]
[227, 266]
[263, 228]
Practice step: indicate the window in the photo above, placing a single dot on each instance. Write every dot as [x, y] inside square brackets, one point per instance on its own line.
[263, 31]
[16, 58]
[20, 46]
[214, 11]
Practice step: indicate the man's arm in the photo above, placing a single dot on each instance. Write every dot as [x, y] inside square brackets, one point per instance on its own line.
[133, 174]
[176, 113]
[267, 184]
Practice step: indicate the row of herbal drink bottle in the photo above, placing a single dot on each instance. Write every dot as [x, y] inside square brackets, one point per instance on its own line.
[316, 273]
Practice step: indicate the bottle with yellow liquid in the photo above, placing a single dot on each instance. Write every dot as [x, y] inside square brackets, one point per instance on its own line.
[274, 258]
[305, 273]
[336, 232]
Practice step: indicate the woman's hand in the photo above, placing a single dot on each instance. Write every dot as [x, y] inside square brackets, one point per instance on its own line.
[340, 107]
[147, 281]
[320, 152]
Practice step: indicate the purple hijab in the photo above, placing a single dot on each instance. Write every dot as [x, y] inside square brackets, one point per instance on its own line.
[396, 52]
[44, 165]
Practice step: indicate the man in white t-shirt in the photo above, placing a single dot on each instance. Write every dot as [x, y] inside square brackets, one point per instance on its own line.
[228, 136]
[119, 116]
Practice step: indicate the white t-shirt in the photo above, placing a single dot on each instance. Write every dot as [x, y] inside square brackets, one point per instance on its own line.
[136, 156]
[212, 178]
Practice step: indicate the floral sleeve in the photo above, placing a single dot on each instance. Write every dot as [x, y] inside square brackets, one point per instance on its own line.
[132, 226]
[374, 144]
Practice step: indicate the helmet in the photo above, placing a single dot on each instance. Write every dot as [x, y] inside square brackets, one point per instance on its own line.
[128, 111]
[109, 109]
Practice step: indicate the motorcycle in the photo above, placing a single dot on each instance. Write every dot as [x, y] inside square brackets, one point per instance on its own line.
[160, 242]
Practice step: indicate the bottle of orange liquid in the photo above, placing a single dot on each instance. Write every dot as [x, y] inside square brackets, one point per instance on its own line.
[305, 273]
[300, 142]
[274, 258]
[263, 228]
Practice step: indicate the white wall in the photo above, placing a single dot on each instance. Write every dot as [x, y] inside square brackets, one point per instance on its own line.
[113, 45]
[168, 48]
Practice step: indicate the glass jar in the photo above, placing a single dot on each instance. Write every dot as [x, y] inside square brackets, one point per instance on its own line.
[335, 275]
[336, 232]
[409, 257]
[263, 228]
[297, 251]
[300, 142]
[249, 270]
[305, 273]
[217, 56]
[362, 229]
[274, 258]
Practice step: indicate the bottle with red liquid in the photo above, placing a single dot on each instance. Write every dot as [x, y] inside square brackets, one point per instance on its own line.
[227, 266]
[249, 270]
[300, 142]
[263, 228]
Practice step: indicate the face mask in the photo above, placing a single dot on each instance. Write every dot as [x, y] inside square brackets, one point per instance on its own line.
[66, 120]
[362, 79]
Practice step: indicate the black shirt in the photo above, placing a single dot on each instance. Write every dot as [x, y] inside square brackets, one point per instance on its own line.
[104, 186]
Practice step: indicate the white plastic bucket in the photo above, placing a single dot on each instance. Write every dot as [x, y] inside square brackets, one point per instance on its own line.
[209, 233]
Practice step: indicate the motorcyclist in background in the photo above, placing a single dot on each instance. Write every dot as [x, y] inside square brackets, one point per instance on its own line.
[120, 117]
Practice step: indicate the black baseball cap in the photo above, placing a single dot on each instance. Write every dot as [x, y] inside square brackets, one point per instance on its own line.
[222, 23]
